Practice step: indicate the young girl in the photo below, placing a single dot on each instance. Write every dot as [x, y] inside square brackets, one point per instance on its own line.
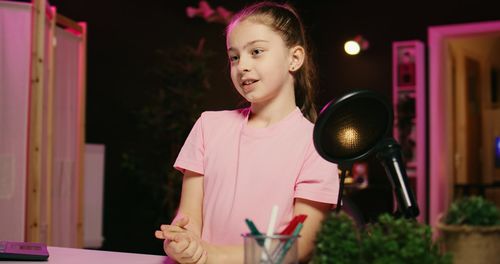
[239, 164]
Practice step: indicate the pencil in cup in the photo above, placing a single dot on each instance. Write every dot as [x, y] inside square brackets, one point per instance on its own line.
[282, 249]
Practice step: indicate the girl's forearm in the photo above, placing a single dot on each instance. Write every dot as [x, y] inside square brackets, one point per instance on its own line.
[224, 254]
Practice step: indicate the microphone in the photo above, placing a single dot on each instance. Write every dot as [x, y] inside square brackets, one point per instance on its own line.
[389, 155]
[353, 127]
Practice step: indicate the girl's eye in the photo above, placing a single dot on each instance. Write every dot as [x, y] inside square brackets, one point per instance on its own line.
[233, 58]
[256, 52]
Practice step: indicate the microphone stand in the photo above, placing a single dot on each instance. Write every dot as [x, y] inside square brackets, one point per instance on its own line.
[344, 170]
[389, 154]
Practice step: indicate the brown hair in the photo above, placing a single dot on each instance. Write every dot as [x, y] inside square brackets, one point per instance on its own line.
[283, 19]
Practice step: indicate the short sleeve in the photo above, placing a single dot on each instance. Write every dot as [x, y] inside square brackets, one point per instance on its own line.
[318, 179]
[192, 152]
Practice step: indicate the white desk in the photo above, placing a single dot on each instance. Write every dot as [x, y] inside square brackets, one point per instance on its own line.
[59, 255]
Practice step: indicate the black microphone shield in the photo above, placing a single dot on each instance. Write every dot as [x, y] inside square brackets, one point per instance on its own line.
[349, 128]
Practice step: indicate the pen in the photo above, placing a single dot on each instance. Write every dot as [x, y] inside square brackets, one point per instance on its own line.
[270, 230]
[291, 226]
[290, 242]
[254, 231]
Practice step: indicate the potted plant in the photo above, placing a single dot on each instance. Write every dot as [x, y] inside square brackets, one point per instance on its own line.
[400, 240]
[470, 230]
[389, 240]
[337, 240]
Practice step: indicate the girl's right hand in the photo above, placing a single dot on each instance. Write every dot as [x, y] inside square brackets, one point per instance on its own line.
[183, 250]
[182, 244]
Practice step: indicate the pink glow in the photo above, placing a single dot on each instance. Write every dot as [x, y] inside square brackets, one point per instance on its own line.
[66, 63]
[204, 10]
[15, 22]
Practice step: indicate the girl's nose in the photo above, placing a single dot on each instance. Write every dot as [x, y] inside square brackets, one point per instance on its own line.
[244, 65]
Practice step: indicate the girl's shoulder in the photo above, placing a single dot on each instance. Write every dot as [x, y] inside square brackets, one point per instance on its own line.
[223, 117]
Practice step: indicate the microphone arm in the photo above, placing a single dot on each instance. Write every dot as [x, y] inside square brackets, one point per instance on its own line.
[344, 169]
[389, 154]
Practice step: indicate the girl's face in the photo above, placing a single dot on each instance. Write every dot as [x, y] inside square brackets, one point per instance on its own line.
[260, 62]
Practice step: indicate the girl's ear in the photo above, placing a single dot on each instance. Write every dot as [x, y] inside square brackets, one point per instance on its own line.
[297, 55]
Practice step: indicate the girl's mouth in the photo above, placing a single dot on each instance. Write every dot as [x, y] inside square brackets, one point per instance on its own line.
[248, 85]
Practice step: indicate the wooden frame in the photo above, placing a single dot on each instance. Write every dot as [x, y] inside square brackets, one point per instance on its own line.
[441, 112]
[41, 127]
[35, 122]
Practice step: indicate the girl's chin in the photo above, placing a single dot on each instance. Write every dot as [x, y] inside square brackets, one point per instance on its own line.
[250, 97]
[250, 100]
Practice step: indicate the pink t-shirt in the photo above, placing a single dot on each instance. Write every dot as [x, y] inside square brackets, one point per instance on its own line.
[248, 170]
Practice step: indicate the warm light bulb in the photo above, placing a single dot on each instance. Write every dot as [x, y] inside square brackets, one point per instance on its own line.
[352, 47]
[348, 137]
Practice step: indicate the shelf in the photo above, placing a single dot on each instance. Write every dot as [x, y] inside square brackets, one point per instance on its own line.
[406, 88]
[411, 164]
[409, 99]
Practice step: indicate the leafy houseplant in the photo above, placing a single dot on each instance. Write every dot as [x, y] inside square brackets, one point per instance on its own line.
[472, 211]
[389, 240]
[471, 230]
[400, 240]
[338, 239]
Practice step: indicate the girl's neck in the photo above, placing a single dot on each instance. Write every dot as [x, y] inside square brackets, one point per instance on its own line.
[266, 114]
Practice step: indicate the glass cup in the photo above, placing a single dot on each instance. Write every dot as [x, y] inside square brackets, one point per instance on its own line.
[275, 249]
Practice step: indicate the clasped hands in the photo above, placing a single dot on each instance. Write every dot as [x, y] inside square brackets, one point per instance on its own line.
[181, 244]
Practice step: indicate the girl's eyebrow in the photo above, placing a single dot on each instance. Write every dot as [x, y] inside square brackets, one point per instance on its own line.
[248, 44]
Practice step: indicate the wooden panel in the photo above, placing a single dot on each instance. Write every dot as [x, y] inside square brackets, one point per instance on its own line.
[473, 117]
[27, 123]
[69, 126]
[81, 130]
[46, 203]
[35, 122]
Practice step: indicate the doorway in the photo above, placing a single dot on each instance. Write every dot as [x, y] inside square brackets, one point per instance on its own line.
[463, 115]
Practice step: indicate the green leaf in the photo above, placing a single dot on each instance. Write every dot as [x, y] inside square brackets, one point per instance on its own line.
[389, 240]
[474, 211]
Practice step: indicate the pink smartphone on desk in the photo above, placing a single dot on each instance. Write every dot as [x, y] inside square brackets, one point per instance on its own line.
[23, 251]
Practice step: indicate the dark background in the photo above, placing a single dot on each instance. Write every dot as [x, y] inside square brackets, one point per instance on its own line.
[123, 37]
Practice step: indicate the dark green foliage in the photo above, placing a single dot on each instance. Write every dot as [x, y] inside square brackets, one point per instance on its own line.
[389, 240]
[401, 240]
[172, 102]
[474, 211]
[337, 239]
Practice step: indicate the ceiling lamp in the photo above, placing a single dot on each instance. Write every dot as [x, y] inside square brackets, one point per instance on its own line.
[355, 45]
